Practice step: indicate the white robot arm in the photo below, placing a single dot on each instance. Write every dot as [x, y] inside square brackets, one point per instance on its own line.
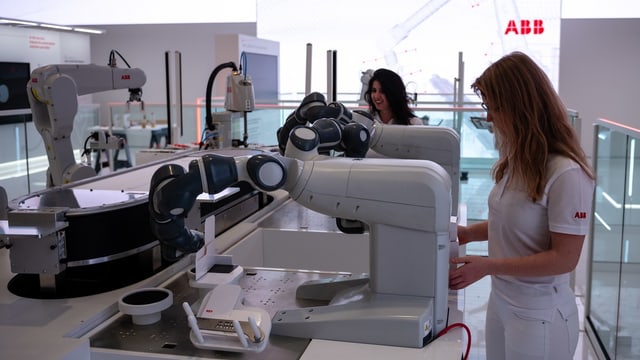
[439, 144]
[53, 92]
[364, 79]
[406, 203]
[351, 188]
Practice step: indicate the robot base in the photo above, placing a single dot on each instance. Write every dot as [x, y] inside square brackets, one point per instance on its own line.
[371, 318]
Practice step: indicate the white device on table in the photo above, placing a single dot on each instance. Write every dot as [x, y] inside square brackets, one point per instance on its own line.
[222, 323]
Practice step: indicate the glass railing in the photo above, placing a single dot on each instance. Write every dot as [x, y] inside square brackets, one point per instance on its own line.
[614, 282]
[264, 121]
[23, 159]
[21, 174]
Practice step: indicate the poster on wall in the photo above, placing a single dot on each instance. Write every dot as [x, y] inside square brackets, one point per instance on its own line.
[24, 50]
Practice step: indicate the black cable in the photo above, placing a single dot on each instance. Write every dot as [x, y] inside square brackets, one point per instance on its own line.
[208, 116]
[86, 141]
[112, 58]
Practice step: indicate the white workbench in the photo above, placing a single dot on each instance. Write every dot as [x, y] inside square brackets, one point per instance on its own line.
[294, 237]
[56, 329]
[61, 329]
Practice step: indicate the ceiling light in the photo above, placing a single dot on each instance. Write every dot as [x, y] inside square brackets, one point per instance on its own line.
[90, 31]
[58, 27]
[17, 22]
[14, 22]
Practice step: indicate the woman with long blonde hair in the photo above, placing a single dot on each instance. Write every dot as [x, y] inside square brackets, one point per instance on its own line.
[539, 213]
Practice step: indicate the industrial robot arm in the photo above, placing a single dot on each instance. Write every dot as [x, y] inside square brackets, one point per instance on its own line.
[314, 180]
[334, 124]
[406, 203]
[53, 92]
[365, 78]
[439, 144]
[352, 131]
[173, 192]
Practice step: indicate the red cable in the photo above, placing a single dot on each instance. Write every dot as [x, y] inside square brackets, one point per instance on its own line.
[466, 328]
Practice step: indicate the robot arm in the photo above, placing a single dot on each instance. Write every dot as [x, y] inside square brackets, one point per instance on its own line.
[439, 144]
[53, 92]
[173, 193]
[333, 124]
[406, 203]
[365, 78]
[352, 132]
[342, 187]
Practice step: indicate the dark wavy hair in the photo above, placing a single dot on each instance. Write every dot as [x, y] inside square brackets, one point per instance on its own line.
[396, 93]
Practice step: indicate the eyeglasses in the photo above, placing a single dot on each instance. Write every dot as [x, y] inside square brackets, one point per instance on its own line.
[485, 107]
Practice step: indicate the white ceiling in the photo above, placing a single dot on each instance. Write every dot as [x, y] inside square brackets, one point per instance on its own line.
[93, 12]
[112, 12]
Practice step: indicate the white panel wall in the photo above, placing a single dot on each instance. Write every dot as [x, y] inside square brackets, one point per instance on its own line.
[600, 71]
[144, 46]
[599, 76]
[43, 47]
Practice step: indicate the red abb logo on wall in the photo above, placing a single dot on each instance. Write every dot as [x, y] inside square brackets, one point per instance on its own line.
[527, 27]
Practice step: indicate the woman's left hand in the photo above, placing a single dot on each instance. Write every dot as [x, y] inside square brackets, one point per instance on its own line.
[473, 269]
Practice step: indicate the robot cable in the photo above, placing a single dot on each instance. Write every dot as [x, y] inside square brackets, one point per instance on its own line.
[466, 328]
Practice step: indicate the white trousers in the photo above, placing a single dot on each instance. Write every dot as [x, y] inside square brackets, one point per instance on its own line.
[514, 333]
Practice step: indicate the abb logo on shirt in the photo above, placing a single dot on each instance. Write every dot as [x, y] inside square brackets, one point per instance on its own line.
[580, 215]
[527, 27]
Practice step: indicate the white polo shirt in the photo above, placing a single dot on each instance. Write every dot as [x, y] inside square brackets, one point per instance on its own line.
[520, 227]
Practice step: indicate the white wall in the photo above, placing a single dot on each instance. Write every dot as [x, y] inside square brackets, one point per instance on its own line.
[144, 46]
[37, 47]
[599, 75]
[600, 71]
[418, 39]
[43, 47]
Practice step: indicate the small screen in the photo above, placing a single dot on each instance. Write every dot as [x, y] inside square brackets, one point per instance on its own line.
[263, 70]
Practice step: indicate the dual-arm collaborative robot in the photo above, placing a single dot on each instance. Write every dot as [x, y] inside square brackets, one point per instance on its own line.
[439, 144]
[406, 203]
[53, 92]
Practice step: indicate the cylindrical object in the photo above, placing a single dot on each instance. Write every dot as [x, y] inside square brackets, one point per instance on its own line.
[330, 84]
[307, 84]
[145, 305]
[334, 74]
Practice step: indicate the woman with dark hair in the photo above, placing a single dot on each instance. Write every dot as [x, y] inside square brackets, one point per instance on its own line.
[388, 101]
[539, 211]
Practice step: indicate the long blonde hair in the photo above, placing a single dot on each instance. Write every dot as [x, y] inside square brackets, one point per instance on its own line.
[532, 122]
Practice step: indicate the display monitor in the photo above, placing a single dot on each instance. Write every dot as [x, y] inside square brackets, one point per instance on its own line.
[263, 69]
[14, 77]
